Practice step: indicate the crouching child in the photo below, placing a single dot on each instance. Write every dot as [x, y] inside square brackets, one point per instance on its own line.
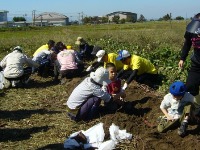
[113, 88]
[177, 108]
[85, 99]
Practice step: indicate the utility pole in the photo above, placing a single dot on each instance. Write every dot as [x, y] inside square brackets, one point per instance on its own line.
[33, 17]
[82, 17]
[41, 21]
[79, 18]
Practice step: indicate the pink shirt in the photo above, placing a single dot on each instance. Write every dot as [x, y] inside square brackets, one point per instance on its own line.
[66, 58]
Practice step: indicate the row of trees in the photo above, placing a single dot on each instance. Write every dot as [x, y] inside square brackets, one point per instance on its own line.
[116, 19]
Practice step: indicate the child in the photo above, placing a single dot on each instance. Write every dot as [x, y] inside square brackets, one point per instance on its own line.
[176, 106]
[85, 99]
[115, 86]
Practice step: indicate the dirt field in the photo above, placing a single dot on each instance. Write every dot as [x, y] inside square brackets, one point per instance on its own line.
[137, 117]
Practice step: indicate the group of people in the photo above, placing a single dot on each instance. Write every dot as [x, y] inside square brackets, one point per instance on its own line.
[106, 74]
[180, 105]
[51, 59]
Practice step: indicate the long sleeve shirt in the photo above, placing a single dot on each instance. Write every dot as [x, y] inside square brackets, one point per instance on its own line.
[13, 64]
[191, 40]
[83, 91]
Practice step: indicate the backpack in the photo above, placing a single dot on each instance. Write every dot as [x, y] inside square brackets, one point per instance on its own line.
[4, 83]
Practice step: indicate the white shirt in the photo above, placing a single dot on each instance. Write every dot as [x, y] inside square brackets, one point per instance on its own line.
[83, 91]
[175, 107]
[14, 62]
[39, 56]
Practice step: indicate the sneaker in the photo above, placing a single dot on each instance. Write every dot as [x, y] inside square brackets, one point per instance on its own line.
[182, 129]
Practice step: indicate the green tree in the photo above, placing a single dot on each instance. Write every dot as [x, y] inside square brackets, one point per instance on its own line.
[179, 18]
[17, 19]
[141, 18]
[115, 19]
[104, 19]
[167, 17]
[86, 20]
[122, 21]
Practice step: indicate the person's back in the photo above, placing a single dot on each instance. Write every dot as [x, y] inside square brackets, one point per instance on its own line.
[43, 54]
[43, 47]
[112, 59]
[47, 46]
[14, 62]
[67, 60]
[143, 65]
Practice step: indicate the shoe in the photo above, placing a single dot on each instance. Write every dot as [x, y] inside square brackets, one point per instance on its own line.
[182, 129]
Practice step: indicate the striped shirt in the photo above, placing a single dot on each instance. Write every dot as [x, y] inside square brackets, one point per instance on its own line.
[83, 91]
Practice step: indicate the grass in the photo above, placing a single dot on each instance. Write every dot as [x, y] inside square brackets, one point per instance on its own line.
[34, 117]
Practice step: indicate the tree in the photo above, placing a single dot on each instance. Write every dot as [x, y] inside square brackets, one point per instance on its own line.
[17, 19]
[86, 20]
[179, 18]
[167, 17]
[122, 21]
[104, 19]
[141, 18]
[115, 19]
[130, 19]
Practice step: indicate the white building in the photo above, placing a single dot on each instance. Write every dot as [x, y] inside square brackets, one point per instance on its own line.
[50, 19]
[122, 15]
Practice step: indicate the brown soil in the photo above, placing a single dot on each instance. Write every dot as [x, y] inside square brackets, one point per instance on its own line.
[139, 117]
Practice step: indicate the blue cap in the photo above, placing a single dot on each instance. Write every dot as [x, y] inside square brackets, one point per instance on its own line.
[177, 88]
[123, 54]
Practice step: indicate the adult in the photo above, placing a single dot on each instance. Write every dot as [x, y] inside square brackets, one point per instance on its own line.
[139, 68]
[192, 38]
[50, 44]
[13, 66]
[103, 58]
[70, 64]
[84, 101]
[85, 49]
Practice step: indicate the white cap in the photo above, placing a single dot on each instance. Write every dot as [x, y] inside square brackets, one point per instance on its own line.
[100, 55]
[123, 54]
[101, 76]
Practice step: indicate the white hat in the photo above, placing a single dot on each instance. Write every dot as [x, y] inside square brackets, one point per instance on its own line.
[101, 76]
[18, 48]
[123, 54]
[100, 54]
[79, 41]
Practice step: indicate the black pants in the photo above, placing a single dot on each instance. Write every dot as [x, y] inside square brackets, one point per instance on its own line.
[71, 73]
[193, 79]
[139, 78]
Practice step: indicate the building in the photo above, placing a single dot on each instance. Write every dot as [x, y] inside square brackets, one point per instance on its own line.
[3, 16]
[123, 15]
[50, 19]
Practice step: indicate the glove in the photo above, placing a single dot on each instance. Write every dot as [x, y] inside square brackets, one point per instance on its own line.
[89, 68]
[124, 86]
[104, 88]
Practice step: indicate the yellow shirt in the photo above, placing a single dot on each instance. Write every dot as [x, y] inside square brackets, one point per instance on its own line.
[112, 59]
[43, 47]
[142, 65]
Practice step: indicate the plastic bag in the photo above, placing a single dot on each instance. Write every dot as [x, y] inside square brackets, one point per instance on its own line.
[118, 135]
[108, 145]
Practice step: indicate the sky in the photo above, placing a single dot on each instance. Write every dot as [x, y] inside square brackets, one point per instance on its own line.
[150, 9]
